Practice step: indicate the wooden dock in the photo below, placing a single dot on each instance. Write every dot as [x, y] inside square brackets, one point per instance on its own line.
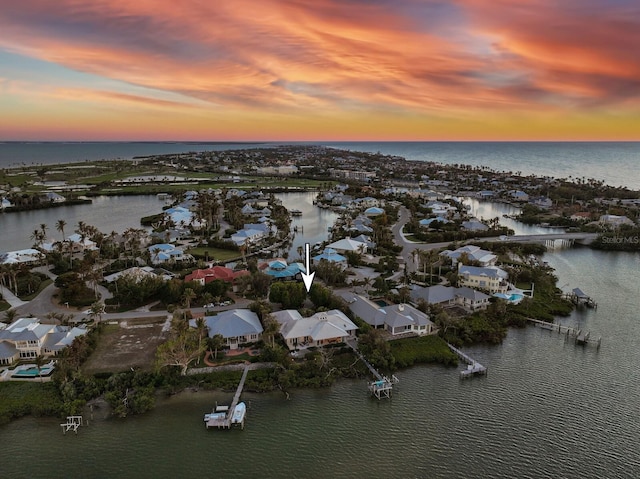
[474, 368]
[579, 336]
[382, 386]
[72, 424]
[224, 422]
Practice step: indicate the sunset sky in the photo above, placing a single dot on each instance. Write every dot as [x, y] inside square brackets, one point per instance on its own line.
[320, 70]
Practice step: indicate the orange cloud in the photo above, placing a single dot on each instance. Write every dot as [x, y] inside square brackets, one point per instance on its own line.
[407, 61]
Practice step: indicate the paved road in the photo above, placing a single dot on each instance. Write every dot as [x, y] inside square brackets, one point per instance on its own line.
[408, 247]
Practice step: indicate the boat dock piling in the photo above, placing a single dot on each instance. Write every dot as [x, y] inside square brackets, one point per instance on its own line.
[580, 337]
[72, 424]
[474, 368]
[225, 421]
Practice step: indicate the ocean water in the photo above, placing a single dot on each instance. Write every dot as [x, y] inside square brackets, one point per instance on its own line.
[15, 154]
[615, 163]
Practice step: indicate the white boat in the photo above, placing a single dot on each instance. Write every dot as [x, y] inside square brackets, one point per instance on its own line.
[238, 413]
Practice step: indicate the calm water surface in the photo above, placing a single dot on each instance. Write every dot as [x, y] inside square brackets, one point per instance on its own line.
[107, 213]
[312, 225]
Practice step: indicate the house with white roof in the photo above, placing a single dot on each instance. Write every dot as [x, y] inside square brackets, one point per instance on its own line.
[348, 244]
[396, 318]
[473, 253]
[236, 326]
[81, 243]
[167, 253]
[491, 278]
[331, 256]
[27, 338]
[321, 329]
[23, 256]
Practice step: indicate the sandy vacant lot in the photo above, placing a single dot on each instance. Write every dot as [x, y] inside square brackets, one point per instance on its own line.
[125, 346]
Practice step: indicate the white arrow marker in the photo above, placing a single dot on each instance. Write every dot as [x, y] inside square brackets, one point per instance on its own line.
[307, 277]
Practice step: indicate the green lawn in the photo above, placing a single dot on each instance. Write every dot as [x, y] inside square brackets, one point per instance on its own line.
[213, 253]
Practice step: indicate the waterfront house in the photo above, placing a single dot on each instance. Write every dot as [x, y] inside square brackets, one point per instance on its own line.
[491, 278]
[27, 338]
[331, 256]
[52, 197]
[395, 318]
[472, 253]
[447, 296]
[321, 329]
[348, 244]
[474, 225]
[236, 326]
[25, 256]
[518, 195]
[80, 243]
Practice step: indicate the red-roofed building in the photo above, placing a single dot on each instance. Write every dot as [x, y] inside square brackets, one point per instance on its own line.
[204, 276]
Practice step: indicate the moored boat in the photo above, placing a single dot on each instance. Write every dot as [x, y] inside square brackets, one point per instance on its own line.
[238, 413]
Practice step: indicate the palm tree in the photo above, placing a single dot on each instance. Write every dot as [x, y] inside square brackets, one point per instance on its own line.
[366, 282]
[96, 311]
[39, 360]
[216, 342]
[37, 237]
[60, 227]
[187, 296]
[10, 315]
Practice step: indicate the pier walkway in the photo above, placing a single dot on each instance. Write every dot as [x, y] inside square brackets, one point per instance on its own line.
[382, 386]
[225, 421]
[474, 368]
[579, 336]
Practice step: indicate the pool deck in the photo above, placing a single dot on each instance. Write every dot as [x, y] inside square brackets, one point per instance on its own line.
[8, 374]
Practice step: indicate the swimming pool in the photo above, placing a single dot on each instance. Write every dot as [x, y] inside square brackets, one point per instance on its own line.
[32, 371]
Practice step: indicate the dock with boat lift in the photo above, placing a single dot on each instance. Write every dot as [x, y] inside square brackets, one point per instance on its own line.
[579, 336]
[474, 368]
[223, 420]
[382, 386]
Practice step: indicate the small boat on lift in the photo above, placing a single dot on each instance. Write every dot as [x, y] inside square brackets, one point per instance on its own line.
[239, 413]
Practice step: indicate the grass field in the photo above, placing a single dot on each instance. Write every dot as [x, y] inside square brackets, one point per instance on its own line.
[216, 254]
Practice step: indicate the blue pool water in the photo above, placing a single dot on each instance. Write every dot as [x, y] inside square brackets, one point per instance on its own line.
[32, 372]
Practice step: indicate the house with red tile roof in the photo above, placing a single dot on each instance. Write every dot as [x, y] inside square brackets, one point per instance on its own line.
[204, 276]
